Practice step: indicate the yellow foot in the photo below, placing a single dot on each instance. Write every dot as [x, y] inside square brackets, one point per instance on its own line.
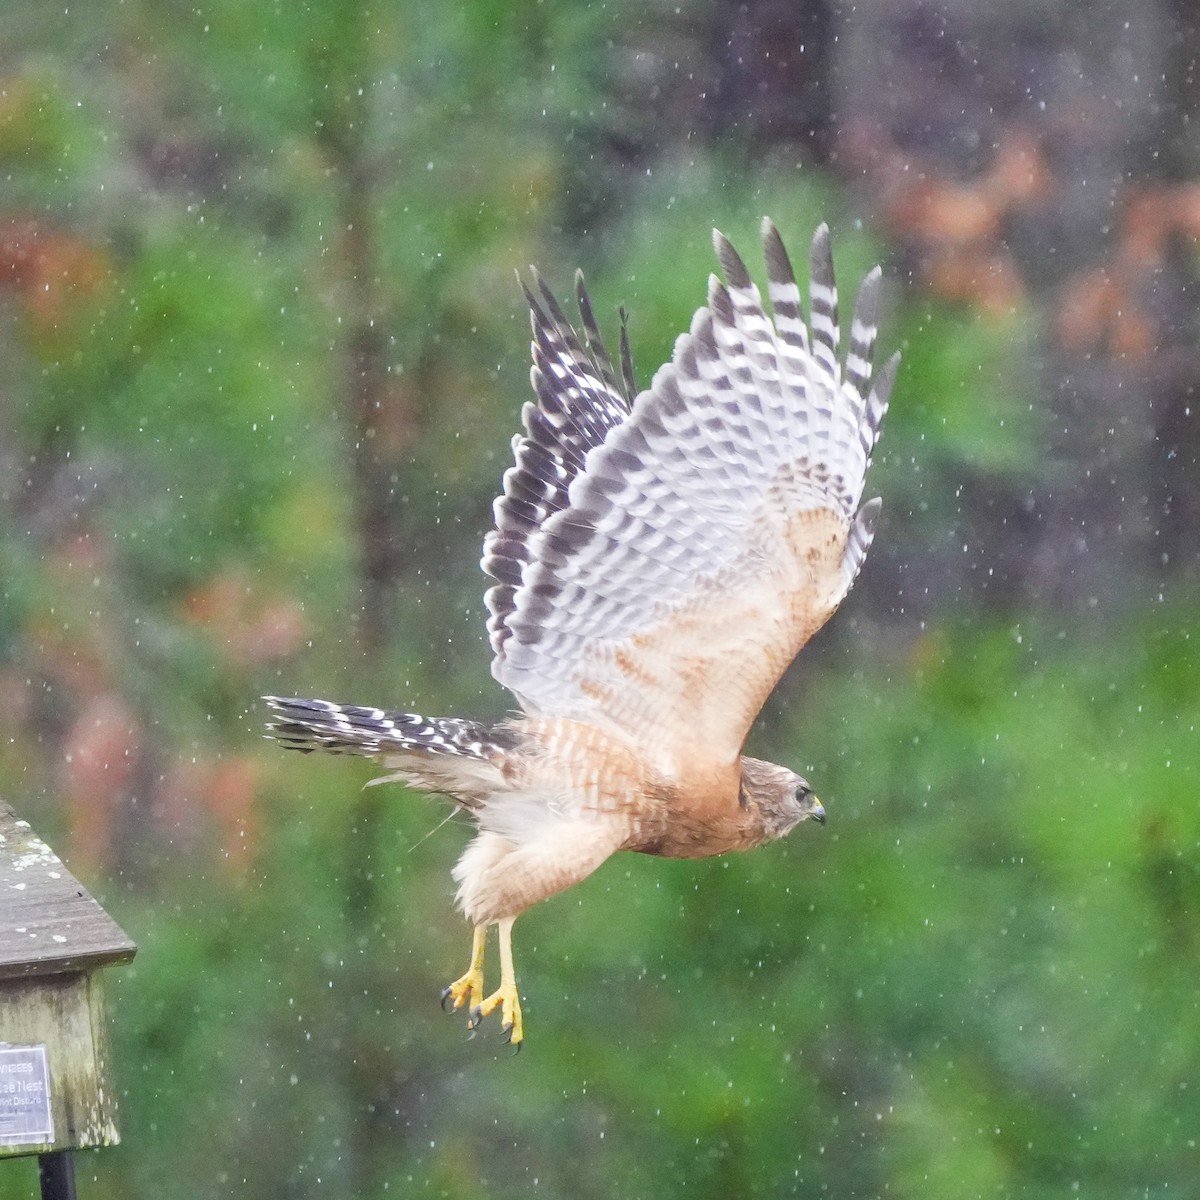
[466, 990]
[506, 999]
[469, 988]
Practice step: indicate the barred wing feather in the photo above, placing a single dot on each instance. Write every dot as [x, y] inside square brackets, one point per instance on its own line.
[579, 399]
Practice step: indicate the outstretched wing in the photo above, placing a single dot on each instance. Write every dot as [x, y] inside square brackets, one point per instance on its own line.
[710, 532]
[579, 400]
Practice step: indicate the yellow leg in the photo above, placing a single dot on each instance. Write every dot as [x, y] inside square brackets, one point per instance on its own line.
[505, 997]
[469, 988]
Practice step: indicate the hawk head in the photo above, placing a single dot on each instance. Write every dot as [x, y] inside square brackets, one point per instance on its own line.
[780, 798]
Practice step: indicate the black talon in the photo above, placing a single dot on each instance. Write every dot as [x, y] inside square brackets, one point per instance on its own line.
[475, 1017]
[445, 997]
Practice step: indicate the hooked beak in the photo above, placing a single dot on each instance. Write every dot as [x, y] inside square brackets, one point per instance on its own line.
[817, 812]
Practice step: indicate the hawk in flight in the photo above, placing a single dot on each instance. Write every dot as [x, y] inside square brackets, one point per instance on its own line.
[659, 557]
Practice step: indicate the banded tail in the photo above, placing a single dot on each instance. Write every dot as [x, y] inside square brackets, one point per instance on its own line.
[440, 754]
[308, 725]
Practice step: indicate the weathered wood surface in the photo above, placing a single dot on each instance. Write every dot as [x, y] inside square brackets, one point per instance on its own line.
[49, 923]
[65, 1014]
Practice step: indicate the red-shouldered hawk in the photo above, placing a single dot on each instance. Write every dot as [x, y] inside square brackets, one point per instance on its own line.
[659, 558]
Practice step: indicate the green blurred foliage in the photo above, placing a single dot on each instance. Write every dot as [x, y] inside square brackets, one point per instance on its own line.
[979, 980]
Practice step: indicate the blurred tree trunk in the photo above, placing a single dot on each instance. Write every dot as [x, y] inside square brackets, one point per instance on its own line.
[345, 130]
[343, 84]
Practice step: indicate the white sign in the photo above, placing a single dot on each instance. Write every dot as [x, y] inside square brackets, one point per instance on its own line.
[24, 1096]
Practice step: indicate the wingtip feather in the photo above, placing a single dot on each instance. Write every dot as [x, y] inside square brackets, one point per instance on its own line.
[821, 254]
[885, 378]
[732, 266]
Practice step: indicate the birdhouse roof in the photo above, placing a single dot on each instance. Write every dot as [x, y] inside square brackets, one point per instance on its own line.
[49, 922]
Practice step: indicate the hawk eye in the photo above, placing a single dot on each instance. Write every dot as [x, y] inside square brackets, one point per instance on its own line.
[803, 791]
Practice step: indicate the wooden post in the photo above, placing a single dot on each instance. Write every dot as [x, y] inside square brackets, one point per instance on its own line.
[55, 1094]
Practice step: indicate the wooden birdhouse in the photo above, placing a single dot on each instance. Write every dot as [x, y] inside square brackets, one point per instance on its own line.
[55, 1092]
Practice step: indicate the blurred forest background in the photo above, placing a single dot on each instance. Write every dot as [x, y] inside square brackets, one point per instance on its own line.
[261, 353]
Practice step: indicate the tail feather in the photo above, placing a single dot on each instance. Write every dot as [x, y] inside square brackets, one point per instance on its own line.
[462, 759]
[308, 725]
